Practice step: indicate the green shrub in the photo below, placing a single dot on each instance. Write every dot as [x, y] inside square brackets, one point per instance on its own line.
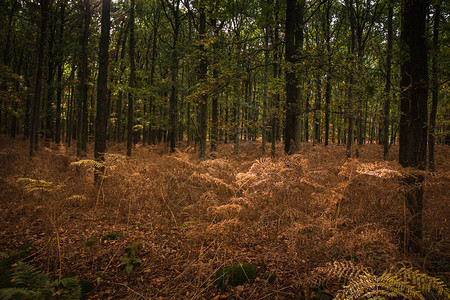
[235, 275]
[131, 261]
[112, 236]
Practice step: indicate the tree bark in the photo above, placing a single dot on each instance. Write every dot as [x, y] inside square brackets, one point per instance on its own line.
[131, 83]
[387, 88]
[38, 84]
[435, 87]
[83, 73]
[413, 119]
[203, 99]
[101, 119]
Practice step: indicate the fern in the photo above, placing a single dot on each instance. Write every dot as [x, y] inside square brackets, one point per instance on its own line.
[32, 185]
[30, 283]
[89, 163]
[405, 283]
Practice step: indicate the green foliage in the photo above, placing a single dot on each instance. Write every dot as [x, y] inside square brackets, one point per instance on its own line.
[90, 242]
[235, 275]
[112, 236]
[131, 261]
[270, 277]
[28, 282]
[405, 283]
[8, 260]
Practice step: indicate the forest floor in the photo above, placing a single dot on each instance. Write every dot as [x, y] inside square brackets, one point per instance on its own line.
[184, 219]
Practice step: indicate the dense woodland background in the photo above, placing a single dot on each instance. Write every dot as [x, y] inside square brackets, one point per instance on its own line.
[307, 138]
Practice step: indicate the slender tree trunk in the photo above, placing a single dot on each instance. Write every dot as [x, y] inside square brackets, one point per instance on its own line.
[413, 119]
[60, 73]
[49, 116]
[38, 84]
[82, 121]
[328, 82]
[131, 83]
[101, 120]
[387, 88]
[435, 87]
[203, 100]
[294, 42]
[349, 107]
[317, 107]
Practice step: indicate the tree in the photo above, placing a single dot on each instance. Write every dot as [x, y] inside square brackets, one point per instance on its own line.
[83, 74]
[203, 69]
[38, 83]
[132, 82]
[294, 42]
[387, 88]
[413, 120]
[101, 119]
[435, 86]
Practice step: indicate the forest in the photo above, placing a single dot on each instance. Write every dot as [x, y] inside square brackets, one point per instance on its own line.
[205, 149]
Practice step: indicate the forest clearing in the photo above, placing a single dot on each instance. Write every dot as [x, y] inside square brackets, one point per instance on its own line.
[186, 219]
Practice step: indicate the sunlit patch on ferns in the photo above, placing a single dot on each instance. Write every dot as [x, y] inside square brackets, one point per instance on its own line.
[404, 283]
[89, 163]
[32, 185]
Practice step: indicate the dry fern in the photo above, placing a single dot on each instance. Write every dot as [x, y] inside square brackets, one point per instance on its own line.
[89, 163]
[405, 283]
[32, 185]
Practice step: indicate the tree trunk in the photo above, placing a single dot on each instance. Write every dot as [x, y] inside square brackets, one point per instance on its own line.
[38, 84]
[387, 88]
[60, 73]
[83, 73]
[294, 42]
[203, 99]
[131, 83]
[101, 120]
[435, 87]
[413, 119]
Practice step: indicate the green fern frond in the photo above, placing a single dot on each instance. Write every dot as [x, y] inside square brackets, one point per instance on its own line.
[67, 288]
[32, 185]
[89, 163]
[28, 276]
[21, 293]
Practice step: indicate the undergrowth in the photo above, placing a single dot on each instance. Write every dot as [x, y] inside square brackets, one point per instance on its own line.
[284, 216]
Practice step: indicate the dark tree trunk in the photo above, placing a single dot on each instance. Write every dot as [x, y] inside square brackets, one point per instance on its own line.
[38, 84]
[101, 120]
[317, 107]
[131, 83]
[387, 88]
[349, 108]
[203, 99]
[215, 98]
[60, 73]
[328, 83]
[435, 87]
[413, 119]
[294, 42]
[49, 115]
[83, 73]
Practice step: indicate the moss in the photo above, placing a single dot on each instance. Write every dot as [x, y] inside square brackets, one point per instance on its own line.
[235, 275]
[112, 236]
